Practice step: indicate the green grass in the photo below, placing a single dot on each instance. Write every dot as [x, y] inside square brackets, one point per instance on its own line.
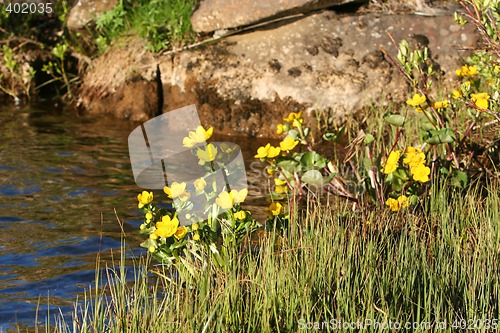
[438, 264]
[165, 24]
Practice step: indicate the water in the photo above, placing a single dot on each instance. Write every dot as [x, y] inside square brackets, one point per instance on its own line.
[61, 179]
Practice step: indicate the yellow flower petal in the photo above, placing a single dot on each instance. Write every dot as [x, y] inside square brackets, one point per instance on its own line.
[393, 204]
[145, 198]
[416, 100]
[241, 215]
[392, 162]
[176, 190]
[224, 200]
[239, 196]
[180, 232]
[420, 173]
[288, 144]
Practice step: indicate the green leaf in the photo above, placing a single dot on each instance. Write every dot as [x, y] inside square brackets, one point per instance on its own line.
[369, 139]
[313, 177]
[443, 135]
[292, 134]
[459, 179]
[367, 163]
[427, 126]
[312, 158]
[395, 119]
[330, 137]
[289, 164]
[401, 174]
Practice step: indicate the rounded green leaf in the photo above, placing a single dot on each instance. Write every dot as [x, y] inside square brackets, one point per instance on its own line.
[395, 119]
[313, 177]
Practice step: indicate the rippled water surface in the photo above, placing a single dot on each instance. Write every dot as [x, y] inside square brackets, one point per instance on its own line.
[61, 179]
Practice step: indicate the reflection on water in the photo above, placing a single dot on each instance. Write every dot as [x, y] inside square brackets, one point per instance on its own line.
[61, 177]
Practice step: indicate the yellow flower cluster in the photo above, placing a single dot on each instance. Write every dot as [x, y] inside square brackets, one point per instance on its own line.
[480, 99]
[281, 186]
[294, 118]
[144, 198]
[396, 204]
[466, 71]
[199, 136]
[415, 159]
[168, 227]
[442, 104]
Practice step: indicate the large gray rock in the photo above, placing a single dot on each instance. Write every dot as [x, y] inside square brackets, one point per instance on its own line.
[215, 15]
[246, 84]
[85, 12]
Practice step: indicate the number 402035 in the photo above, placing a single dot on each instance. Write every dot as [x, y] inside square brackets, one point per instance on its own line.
[29, 8]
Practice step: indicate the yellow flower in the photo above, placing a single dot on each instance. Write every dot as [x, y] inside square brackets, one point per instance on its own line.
[196, 236]
[180, 232]
[420, 173]
[224, 200]
[441, 104]
[419, 109]
[393, 204]
[167, 227]
[276, 208]
[149, 216]
[297, 122]
[267, 151]
[239, 196]
[279, 182]
[270, 171]
[472, 70]
[392, 162]
[241, 215]
[416, 100]
[403, 201]
[176, 190]
[279, 129]
[456, 94]
[199, 136]
[280, 189]
[466, 71]
[288, 144]
[200, 184]
[152, 249]
[144, 198]
[293, 116]
[195, 226]
[273, 152]
[414, 157]
[207, 155]
[227, 200]
[480, 99]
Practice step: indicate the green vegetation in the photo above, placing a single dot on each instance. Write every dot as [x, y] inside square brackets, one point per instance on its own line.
[164, 23]
[428, 266]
